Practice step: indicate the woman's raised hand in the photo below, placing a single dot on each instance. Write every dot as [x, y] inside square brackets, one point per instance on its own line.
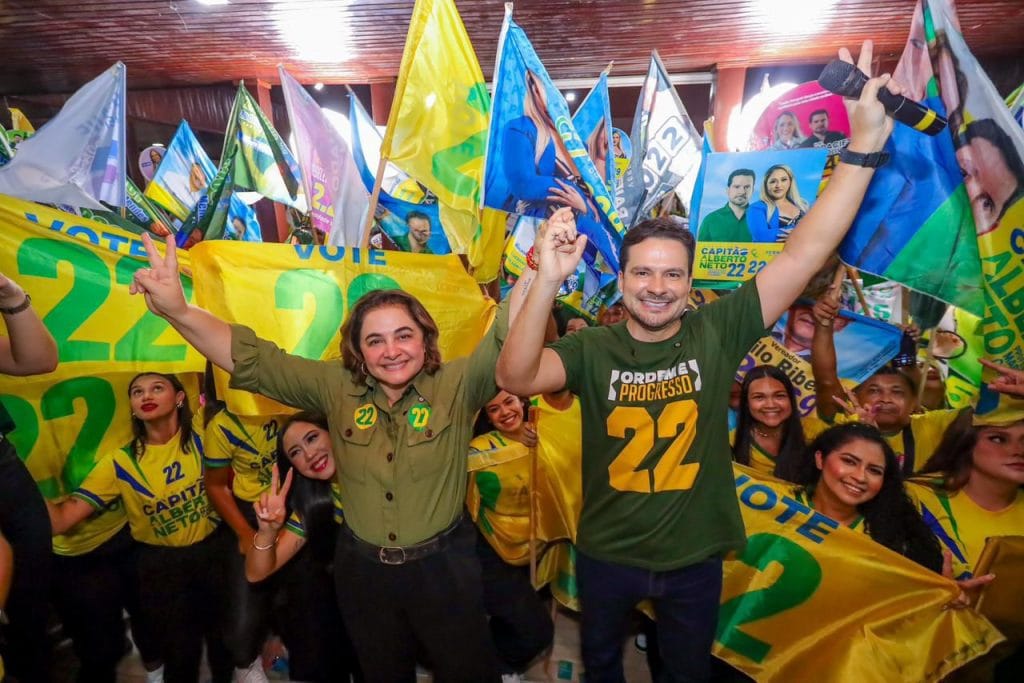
[273, 503]
[160, 283]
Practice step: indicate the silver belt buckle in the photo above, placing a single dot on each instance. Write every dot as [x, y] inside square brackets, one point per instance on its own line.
[391, 555]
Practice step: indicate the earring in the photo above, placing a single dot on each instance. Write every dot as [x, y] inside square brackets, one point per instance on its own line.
[180, 404]
[362, 368]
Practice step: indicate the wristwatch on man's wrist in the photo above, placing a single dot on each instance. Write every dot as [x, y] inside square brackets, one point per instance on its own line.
[872, 160]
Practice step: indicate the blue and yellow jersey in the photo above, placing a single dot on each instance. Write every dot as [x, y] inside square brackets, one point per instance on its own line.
[295, 524]
[163, 492]
[246, 444]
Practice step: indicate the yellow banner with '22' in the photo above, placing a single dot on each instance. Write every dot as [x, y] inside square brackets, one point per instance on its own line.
[78, 272]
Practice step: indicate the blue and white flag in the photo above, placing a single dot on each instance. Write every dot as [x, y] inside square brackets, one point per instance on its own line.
[536, 162]
[78, 158]
[183, 176]
[666, 148]
[593, 122]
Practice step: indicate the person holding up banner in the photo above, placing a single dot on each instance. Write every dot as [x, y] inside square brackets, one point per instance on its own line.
[889, 396]
[659, 505]
[400, 422]
[28, 349]
[850, 473]
[182, 548]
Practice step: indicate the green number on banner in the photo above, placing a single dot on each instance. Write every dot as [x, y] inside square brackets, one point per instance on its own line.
[91, 287]
[100, 403]
[290, 294]
[139, 343]
[368, 282]
[26, 432]
[801, 575]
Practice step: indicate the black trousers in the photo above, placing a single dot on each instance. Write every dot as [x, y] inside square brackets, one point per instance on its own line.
[434, 604]
[520, 623]
[298, 601]
[26, 526]
[182, 595]
[91, 592]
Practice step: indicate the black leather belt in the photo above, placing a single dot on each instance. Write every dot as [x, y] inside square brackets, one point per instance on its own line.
[395, 555]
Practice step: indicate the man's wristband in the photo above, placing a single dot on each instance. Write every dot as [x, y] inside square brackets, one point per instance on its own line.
[19, 308]
[872, 160]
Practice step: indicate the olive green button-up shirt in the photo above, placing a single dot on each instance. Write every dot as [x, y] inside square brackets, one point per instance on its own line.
[402, 468]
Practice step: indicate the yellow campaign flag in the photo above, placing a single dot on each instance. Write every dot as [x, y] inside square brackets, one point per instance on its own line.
[78, 271]
[297, 296]
[63, 426]
[20, 122]
[807, 597]
[437, 129]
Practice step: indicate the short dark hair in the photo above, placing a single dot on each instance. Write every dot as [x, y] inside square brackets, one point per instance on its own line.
[664, 228]
[891, 371]
[740, 171]
[416, 214]
[815, 113]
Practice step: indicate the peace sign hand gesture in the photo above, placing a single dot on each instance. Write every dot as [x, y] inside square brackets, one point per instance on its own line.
[160, 283]
[272, 505]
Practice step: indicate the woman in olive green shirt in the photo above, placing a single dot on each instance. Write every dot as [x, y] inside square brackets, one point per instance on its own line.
[400, 423]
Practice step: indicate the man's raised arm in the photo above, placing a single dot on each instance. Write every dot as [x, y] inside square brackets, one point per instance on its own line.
[525, 367]
[820, 231]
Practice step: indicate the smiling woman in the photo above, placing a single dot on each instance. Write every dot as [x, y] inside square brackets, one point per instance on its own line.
[768, 426]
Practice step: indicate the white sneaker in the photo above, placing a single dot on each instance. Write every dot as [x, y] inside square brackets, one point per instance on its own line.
[254, 673]
[156, 675]
[511, 678]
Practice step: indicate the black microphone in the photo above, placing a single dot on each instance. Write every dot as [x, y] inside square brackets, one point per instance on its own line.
[844, 78]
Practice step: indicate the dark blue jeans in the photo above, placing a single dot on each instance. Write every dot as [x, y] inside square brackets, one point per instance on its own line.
[685, 604]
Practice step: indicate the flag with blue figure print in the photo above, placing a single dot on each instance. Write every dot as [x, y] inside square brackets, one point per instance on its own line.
[242, 224]
[593, 122]
[78, 158]
[183, 176]
[536, 161]
[407, 213]
[666, 148]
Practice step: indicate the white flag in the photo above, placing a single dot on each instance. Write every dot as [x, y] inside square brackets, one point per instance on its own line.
[78, 157]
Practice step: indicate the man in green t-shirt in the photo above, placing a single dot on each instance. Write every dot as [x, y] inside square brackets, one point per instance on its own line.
[659, 506]
[729, 223]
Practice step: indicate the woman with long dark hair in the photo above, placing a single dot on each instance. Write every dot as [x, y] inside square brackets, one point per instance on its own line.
[182, 547]
[298, 517]
[851, 474]
[768, 425]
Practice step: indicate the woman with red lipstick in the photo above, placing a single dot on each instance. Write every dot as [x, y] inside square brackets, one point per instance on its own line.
[159, 478]
[851, 474]
[298, 517]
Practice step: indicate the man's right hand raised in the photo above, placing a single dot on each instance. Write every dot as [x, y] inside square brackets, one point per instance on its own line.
[160, 283]
[558, 247]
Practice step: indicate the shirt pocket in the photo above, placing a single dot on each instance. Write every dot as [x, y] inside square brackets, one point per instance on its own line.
[429, 449]
[354, 457]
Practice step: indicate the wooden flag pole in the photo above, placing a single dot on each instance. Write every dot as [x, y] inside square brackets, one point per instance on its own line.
[854, 279]
[374, 197]
[532, 484]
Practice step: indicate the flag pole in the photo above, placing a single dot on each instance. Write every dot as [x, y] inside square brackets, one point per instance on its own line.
[855, 281]
[374, 197]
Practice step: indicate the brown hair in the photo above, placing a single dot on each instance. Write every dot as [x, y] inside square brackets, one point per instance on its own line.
[352, 330]
[663, 228]
[954, 456]
[184, 411]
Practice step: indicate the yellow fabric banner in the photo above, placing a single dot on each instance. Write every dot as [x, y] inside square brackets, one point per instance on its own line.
[78, 271]
[437, 129]
[20, 122]
[805, 599]
[298, 296]
[65, 425]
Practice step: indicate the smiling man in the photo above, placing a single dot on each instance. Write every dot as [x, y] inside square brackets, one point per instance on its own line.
[729, 223]
[659, 506]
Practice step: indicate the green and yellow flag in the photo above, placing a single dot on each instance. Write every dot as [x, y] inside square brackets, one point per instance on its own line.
[20, 122]
[437, 129]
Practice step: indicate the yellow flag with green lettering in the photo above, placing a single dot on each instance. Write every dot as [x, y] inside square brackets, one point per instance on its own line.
[437, 129]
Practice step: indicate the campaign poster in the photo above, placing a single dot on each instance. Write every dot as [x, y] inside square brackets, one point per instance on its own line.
[149, 160]
[750, 202]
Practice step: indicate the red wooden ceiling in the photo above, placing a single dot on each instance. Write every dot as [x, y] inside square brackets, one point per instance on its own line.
[56, 45]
